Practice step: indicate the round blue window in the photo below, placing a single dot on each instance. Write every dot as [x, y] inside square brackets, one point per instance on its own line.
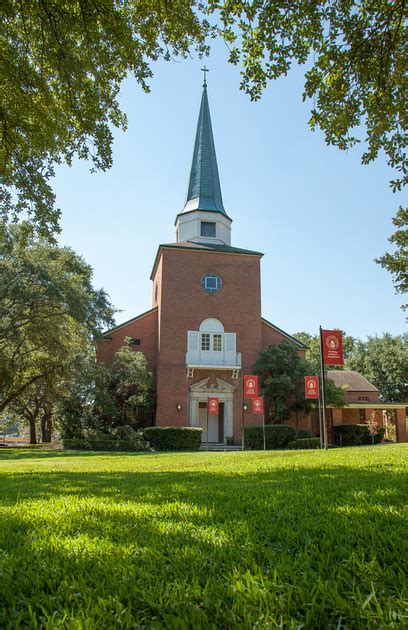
[211, 282]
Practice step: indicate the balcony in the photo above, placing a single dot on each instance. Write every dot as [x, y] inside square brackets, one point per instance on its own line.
[215, 350]
[221, 360]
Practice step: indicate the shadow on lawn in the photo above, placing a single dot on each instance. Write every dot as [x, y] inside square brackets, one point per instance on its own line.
[323, 486]
[145, 539]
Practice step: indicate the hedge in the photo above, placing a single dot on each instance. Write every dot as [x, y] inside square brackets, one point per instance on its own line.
[276, 436]
[122, 438]
[174, 438]
[309, 442]
[103, 445]
[354, 434]
[303, 433]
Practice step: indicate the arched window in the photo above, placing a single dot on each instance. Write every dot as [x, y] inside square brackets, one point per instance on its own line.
[211, 334]
[211, 325]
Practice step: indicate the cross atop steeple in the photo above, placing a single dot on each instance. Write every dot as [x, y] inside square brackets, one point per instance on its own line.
[205, 70]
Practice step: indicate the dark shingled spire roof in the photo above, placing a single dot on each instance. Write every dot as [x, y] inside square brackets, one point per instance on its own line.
[204, 190]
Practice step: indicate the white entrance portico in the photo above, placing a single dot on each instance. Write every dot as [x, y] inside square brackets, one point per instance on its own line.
[199, 393]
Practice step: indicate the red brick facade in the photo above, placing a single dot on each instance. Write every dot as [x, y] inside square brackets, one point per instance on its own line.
[181, 304]
[184, 305]
[142, 328]
[361, 397]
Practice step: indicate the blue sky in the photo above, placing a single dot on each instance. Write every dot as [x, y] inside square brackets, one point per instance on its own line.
[319, 216]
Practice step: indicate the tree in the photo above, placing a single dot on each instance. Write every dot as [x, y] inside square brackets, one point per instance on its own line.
[282, 371]
[281, 374]
[132, 381]
[355, 52]
[35, 405]
[48, 311]
[372, 425]
[106, 397]
[397, 263]
[63, 63]
[124, 391]
[384, 362]
[30, 406]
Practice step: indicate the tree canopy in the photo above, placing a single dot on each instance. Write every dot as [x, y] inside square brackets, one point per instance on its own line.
[383, 360]
[281, 373]
[108, 397]
[62, 64]
[397, 262]
[49, 310]
[355, 52]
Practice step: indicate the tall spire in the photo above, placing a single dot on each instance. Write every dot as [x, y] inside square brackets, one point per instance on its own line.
[204, 190]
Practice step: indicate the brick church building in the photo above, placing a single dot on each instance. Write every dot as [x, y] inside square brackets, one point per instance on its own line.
[201, 346]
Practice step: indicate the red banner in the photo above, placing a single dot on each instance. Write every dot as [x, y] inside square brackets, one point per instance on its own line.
[213, 406]
[250, 386]
[332, 342]
[257, 405]
[312, 387]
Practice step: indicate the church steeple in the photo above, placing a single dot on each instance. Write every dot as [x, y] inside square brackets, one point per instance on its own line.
[204, 190]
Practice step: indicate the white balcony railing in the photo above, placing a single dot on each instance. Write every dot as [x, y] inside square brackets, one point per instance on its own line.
[222, 360]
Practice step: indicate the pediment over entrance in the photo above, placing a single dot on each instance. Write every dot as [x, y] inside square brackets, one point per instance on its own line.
[201, 386]
[205, 386]
[223, 386]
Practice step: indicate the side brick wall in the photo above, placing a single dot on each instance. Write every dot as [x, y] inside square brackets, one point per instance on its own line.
[143, 328]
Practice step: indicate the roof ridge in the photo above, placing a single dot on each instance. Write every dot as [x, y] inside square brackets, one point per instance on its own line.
[129, 321]
[300, 343]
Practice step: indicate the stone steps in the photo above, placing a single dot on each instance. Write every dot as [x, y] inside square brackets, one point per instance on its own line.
[219, 448]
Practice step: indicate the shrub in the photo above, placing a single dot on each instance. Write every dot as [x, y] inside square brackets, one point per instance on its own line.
[308, 442]
[276, 436]
[174, 438]
[303, 433]
[355, 434]
[91, 440]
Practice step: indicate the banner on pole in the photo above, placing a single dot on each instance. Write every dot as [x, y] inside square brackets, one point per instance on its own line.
[257, 405]
[250, 386]
[213, 407]
[332, 342]
[312, 387]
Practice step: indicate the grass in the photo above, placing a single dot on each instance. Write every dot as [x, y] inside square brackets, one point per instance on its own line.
[204, 540]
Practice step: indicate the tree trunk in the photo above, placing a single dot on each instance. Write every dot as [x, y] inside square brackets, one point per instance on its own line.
[33, 434]
[32, 419]
[46, 426]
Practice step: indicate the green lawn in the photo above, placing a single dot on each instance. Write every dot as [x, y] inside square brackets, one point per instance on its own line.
[204, 540]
